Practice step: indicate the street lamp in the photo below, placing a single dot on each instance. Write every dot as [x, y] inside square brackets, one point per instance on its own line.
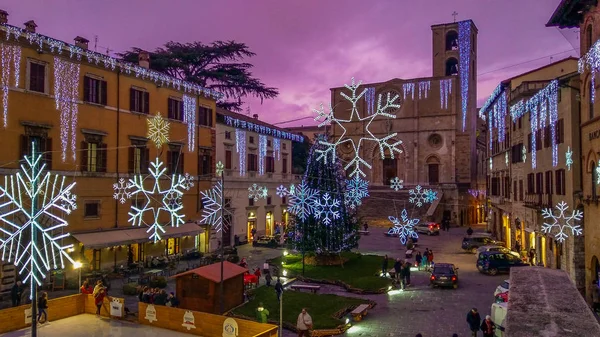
[77, 265]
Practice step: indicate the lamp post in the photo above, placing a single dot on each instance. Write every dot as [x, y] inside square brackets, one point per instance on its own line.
[219, 172]
[77, 265]
[281, 315]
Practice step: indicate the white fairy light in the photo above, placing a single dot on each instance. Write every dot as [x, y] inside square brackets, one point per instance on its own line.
[10, 58]
[66, 96]
[561, 221]
[240, 146]
[424, 87]
[189, 117]
[277, 148]
[445, 91]
[262, 153]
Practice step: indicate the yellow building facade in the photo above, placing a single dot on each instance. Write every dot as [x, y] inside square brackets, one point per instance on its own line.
[88, 114]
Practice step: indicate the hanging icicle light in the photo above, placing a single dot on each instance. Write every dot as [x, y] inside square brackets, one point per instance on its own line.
[189, 117]
[424, 87]
[10, 58]
[240, 146]
[464, 50]
[262, 153]
[66, 95]
[277, 148]
[445, 91]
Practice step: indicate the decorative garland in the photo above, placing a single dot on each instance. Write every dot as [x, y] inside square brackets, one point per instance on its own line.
[237, 123]
[189, 117]
[57, 46]
[11, 56]
[66, 96]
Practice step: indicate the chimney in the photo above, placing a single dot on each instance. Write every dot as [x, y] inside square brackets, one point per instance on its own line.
[255, 116]
[30, 26]
[144, 59]
[81, 42]
[3, 17]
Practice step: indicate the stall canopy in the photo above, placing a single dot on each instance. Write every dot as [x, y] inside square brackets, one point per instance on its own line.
[128, 236]
[213, 271]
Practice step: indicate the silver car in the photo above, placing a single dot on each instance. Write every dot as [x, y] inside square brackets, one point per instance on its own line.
[429, 228]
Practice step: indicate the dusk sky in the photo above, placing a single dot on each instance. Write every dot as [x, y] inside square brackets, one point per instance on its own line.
[306, 47]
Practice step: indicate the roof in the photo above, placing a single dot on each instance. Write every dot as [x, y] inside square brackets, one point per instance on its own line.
[117, 237]
[545, 302]
[456, 23]
[213, 271]
[569, 13]
[255, 121]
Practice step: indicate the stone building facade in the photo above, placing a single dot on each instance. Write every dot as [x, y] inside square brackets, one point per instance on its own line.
[585, 15]
[436, 122]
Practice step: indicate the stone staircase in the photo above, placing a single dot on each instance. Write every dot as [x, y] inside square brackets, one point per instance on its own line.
[384, 202]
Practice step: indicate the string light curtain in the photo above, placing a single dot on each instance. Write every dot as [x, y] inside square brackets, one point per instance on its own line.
[66, 95]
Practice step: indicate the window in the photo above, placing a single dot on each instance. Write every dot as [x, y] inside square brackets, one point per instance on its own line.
[507, 187]
[252, 162]
[251, 139]
[549, 182]
[269, 143]
[515, 191]
[520, 120]
[539, 183]
[284, 163]
[92, 209]
[560, 182]
[270, 164]
[495, 186]
[529, 143]
[521, 190]
[228, 158]
[530, 183]
[139, 158]
[94, 90]
[283, 200]
[451, 67]
[41, 142]
[560, 131]
[227, 134]
[205, 116]
[37, 76]
[139, 101]
[547, 138]
[174, 159]
[250, 201]
[205, 165]
[284, 146]
[589, 36]
[268, 200]
[93, 155]
[175, 108]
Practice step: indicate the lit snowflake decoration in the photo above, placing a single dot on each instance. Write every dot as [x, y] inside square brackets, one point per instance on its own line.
[256, 192]
[212, 213]
[327, 208]
[302, 201]
[383, 142]
[220, 169]
[31, 237]
[403, 227]
[396, 184]
[121, 190]
[420, 196]
[283, 191]
[157, 200]
[158, 130]
[292, 189]
[356, 190]
[569, 155]
[524, 153]
[562, 222]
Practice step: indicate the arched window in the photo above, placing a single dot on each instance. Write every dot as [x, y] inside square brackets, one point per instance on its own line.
[451, 66]
[452, 40]
[588, 37]
[433, 168]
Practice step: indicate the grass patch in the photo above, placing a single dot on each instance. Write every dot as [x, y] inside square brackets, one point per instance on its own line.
[321, 307]
[360, 271]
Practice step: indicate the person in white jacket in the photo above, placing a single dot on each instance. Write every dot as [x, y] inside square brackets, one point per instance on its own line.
[304, 324]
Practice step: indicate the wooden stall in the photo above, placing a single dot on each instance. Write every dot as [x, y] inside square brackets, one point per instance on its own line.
[198, 289]
[201, 323]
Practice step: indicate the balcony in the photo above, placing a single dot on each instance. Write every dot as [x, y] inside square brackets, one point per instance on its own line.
[538, 201]
[497, 199]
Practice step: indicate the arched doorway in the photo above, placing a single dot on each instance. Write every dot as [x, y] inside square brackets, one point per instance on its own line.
[390, 169]
[383, 170]
[433, 170]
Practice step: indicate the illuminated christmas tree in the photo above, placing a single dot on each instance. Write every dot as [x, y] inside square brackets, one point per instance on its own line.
[323, 222]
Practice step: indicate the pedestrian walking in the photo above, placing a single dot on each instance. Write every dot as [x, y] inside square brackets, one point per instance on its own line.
[407, 266]
[15, 293]
[278, 289]
[474, 321]
[470, 231]
[517, 246]
[488, 327]
[531, 256]
[304, 324]
[268, 279]
[418, 259]
[384, 266]
[262, 314]
[397, 269]
[430, 259]
[42, 307]
[366, 226]
[99, 297]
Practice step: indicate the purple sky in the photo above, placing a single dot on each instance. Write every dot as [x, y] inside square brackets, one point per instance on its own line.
[305, 47]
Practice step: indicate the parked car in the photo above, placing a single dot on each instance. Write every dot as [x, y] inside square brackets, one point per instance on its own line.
[473, 242]
[493, 248]
[492, 263]
[502, 288]
[429, 228]
[444, 274]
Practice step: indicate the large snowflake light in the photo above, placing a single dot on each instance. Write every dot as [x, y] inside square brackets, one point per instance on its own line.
[327, 209]
[283, 191]
[356, 190]
[257, 192]
[158, 130]
[155, 199]
[396, 184]
[384, 142]
[32, 203]
[420, 196]
[302, 201]
[561, 221]
[403, 227]
[212, 213]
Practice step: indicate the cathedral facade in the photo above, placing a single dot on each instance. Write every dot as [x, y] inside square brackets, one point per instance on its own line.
[436, 123]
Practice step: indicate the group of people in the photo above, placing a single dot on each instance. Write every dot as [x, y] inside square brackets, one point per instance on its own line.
[475, 324]
[304, 323]
[425, 260]
[158, 297]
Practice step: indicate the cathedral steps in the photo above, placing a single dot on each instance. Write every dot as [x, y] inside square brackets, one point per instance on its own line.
[384, 202]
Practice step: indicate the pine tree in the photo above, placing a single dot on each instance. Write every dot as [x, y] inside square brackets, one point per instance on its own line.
[330, 227]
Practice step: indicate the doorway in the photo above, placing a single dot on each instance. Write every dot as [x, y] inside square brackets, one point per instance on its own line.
[390, 167]
[434, 174]
[251, 226]
[269, 223]
[173, 246]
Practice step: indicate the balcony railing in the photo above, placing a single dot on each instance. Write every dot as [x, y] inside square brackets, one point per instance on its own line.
[538, 200]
